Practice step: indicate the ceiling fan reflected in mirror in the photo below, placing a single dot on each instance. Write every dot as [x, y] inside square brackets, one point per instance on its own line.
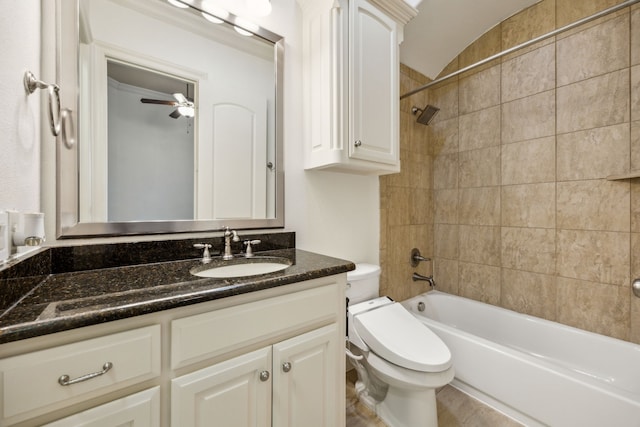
[185, 107]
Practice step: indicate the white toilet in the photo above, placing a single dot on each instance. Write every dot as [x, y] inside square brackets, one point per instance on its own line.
[400, 362]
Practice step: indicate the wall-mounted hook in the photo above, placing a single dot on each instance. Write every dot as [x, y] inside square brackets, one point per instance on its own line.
[31, 83]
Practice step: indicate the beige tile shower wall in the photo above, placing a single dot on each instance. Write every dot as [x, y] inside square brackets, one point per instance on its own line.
[523, 216]
[406, 201]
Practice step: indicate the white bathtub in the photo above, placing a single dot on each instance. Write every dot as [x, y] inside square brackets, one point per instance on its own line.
[533, 370]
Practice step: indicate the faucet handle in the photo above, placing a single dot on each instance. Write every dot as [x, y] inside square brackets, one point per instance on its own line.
[206, 256]
[231, 234]
[248, 243]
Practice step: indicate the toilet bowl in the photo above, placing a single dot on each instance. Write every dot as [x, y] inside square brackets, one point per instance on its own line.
[400, 362]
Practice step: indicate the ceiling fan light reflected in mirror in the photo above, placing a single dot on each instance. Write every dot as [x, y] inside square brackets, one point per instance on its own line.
[186, 111]
[184, 107]
[180, 98]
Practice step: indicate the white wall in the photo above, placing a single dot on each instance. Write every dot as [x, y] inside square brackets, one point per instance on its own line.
[334, 214]
[19, 113]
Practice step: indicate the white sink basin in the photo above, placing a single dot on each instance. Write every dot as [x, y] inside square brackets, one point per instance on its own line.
[243, 269]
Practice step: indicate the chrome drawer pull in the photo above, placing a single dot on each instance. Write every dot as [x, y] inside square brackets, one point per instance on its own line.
[64, 379]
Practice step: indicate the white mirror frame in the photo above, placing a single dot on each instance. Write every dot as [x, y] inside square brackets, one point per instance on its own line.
[67, 174]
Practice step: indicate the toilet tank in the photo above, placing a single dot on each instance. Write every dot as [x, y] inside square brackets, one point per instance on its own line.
[363, 283]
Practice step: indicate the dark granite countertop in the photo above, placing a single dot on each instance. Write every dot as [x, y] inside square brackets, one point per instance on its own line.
[63, 301]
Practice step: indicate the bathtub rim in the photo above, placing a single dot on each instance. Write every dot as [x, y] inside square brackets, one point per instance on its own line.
[621, 394]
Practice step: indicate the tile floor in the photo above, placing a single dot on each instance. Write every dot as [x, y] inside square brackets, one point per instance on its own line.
[455, 409]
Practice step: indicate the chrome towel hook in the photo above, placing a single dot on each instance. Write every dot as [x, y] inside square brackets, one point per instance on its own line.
[31, 83]
[59, 119]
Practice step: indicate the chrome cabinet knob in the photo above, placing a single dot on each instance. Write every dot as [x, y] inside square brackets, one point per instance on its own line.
[264, 376]
[358, 143]
[286, 366]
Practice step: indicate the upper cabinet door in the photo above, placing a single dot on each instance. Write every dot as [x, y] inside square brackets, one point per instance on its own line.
[351, 84]
[374, 91]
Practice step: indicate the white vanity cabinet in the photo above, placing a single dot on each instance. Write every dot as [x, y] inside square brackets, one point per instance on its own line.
[295, 376]
[291, 383]
[272, 357]
[351, 83]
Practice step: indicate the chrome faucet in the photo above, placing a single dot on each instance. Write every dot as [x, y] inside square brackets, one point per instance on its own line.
[228, 236]
[429, 279]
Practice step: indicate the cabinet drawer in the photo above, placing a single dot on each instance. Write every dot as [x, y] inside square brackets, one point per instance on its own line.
[137, 410]
[30, 382]
[211, 334]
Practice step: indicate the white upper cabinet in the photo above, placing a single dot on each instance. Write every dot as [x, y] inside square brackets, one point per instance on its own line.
[351, 71]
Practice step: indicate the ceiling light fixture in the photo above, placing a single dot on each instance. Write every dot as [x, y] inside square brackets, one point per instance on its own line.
[177, 3]
[259, 7]
[242, 31]
[211, 18]
[214, 13]
[244, 27]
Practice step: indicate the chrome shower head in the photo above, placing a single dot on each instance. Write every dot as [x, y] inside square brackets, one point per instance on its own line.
[426, 114]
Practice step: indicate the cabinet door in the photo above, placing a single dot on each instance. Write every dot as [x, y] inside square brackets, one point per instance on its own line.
[231, 393]
[374, 81]
[305, 380]
[138, 410]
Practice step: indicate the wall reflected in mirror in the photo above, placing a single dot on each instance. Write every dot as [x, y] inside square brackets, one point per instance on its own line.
[150, 146]
[140, 158]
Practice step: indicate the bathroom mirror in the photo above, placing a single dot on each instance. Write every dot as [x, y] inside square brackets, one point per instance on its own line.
[176, 117]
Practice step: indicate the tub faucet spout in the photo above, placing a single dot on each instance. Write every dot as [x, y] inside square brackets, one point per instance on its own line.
[429, 279]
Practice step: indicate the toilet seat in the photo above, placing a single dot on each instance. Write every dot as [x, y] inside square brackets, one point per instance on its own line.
[395, 335]
[398, 376]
